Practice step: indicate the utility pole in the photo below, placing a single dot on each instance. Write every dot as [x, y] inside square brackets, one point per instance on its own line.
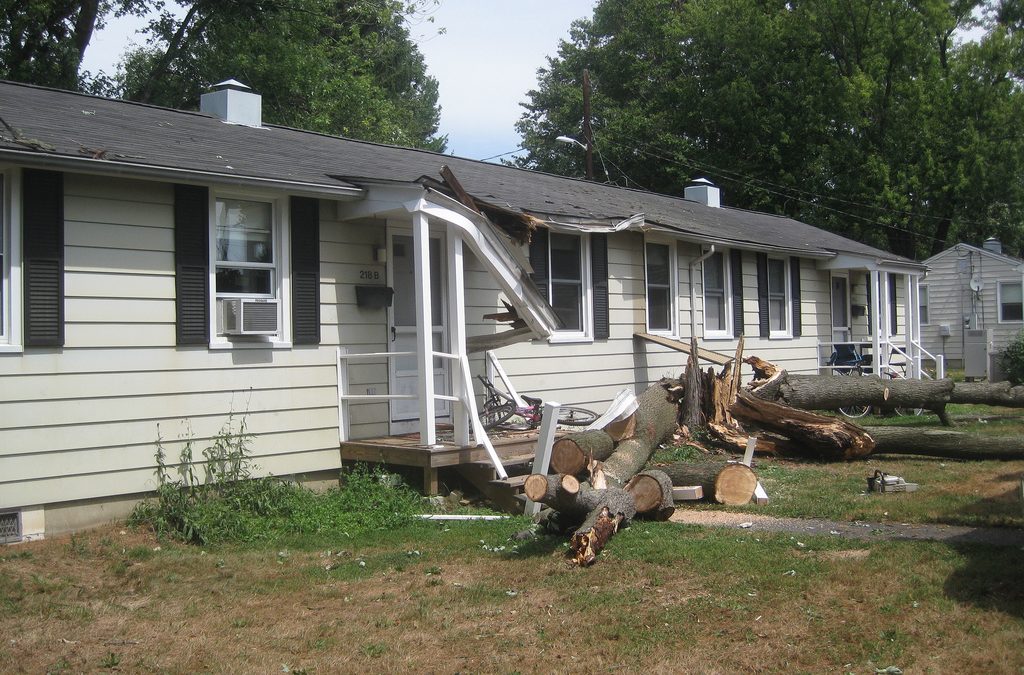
[588, 132]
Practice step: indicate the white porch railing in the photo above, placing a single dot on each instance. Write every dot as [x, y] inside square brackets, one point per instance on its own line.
[886, 366]
[479, 434]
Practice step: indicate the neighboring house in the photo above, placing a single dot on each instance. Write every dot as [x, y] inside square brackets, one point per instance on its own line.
[970, 289]
[162, 266]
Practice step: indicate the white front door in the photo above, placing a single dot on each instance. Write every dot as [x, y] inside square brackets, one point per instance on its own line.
[403, 374]
[840, 309]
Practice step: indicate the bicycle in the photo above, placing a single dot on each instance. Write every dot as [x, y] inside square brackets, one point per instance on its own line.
[499, 411]
[898, 371]
[846, 361]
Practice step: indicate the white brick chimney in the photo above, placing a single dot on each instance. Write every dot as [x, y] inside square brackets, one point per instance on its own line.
[233, 102]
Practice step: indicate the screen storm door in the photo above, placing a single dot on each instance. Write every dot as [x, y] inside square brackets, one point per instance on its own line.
[840, 309]
[402, 372]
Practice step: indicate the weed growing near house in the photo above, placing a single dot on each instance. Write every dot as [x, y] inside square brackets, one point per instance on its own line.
[1012, 359]
[229, 505]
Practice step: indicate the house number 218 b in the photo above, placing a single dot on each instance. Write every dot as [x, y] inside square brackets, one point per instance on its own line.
[372, 275]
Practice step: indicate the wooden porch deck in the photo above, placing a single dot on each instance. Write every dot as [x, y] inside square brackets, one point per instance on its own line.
[407, 451]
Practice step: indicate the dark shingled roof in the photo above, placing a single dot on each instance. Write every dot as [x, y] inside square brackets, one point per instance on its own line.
[81, 126]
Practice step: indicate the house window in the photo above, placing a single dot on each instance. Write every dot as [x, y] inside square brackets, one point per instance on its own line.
[716, 295]
[245, 248]
[778, 297]
[922, 304]
[567, 253]
[660, 268]
[249, 269]
[10, 263]
[1011, 301]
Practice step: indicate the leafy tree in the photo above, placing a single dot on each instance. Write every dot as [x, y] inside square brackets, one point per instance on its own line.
[863, 117]
[43, 41]
[339, 66]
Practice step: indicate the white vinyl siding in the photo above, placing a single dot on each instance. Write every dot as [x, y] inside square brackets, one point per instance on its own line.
[82, 423]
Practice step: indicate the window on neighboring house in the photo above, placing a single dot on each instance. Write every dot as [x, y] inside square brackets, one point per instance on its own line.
[922, 304]
[567, 280]
[660, 268]
[1011, 301]
[716, 296]
[778, 296]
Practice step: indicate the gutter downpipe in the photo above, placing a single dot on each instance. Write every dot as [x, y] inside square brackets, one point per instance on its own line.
[693, 290]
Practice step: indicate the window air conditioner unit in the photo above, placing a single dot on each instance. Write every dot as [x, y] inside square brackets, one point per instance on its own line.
[249, 316]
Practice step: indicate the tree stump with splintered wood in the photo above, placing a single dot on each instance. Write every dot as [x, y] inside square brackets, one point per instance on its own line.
[826, 437]
[692, 393]
[652, 494]
[723, 483]
[569, 454]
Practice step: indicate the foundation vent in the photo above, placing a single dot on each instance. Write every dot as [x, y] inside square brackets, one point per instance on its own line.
[10, 527]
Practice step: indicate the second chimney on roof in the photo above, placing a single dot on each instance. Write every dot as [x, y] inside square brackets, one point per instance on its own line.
[704, 191]
[233, 102]
[992, 245]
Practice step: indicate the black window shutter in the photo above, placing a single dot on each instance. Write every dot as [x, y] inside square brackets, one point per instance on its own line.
[305, 226]
[539, 261]
[762, 294]
[893, 321]
[192, 264]
[736, 273]
[794, 288]
[43, 250]
[599, 276]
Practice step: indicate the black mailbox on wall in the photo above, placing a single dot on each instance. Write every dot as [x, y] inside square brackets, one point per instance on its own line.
[374, 297]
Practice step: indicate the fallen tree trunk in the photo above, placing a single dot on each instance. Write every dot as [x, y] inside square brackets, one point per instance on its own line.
[656, 418]
[723, 483]
[944, 443]
[988, 393]
[826, 437]
[593, 535]
[828, 392]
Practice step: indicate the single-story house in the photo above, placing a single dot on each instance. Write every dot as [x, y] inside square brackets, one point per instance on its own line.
[163, 269]
[971, 304]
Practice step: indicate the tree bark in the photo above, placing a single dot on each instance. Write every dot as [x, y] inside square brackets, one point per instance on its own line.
[652, 493]
[723, 483]
[590, 539]
[826, 437]
[944, 443]
[827, 392]
[657, 417]
[569, 454]
[691, 413]
[988, 393]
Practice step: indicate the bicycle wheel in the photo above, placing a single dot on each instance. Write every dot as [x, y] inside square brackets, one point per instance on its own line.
[496, 410]
[853, 411]
[572, 416]
[908, 412]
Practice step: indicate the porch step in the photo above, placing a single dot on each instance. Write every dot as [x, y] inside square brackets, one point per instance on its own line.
[514, 483]
[508, 461]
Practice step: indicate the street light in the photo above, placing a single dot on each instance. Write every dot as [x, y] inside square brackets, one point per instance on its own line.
[567, 139]
[588, 149]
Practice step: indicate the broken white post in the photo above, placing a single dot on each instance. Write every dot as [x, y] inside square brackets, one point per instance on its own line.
[748, 456]
[457, 333]
[542, 456]
[494, 368]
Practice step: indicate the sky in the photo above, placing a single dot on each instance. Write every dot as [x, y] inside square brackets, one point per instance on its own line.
[484, 62]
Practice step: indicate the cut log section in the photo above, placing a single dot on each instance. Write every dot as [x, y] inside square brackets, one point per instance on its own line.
[657, 417]
[570, 453]
[542, 489]
[652, 494]
[723, 483]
